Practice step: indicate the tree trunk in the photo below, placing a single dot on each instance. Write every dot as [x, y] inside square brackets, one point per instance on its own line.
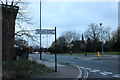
[9, 14]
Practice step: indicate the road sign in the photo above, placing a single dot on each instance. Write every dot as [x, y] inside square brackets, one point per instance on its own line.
[49, 31]
[45, 31]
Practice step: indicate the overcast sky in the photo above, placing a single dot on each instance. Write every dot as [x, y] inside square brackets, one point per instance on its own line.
[74, 15]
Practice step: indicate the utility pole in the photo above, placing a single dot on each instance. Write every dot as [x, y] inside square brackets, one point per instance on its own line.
[40, 34]
[102, 44]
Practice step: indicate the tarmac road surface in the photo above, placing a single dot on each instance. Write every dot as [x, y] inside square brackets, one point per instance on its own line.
[91, 67]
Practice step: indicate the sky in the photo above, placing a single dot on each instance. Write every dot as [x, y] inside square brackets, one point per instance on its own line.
[74, 16]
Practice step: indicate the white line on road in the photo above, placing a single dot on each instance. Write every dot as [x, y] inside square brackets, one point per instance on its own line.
[105, 73]
[80, 72]
[117, 75]
[86, 74]
[94, 70]
[88, 68]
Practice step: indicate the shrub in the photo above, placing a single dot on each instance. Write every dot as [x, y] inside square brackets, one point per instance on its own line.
[24, 68]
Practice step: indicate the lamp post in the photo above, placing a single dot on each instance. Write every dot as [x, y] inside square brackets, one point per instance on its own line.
[40, 34]
[102, 44]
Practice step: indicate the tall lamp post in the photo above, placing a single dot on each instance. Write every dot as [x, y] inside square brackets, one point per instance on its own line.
[40, 34]
[102, 44]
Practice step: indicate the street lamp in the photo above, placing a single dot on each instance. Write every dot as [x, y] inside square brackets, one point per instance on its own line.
[102, 44]
[40, 34]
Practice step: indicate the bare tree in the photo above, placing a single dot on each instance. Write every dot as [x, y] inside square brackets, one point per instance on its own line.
[22, 18]
[96, 32]
[11, 9]
[70, 36]
[98, 35]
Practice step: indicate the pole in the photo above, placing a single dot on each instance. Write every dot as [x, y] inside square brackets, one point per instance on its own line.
[55, 52]
[1, 44]
[69, 49]
[40, 34]
[102, 43]
[102, 50]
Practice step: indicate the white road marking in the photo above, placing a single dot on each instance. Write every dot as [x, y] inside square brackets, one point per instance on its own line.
[80, 72]
[85, 73]
[94, 70]
[88, 68]
[105, 73]
[108, 72]
[117, 75]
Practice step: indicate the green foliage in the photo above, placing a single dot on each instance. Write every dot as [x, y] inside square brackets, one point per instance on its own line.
[24, 68]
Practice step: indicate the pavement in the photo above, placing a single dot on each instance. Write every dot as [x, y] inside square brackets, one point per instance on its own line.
[63, 71]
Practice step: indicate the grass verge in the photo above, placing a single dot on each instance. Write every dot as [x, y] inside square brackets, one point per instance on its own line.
[24, 69]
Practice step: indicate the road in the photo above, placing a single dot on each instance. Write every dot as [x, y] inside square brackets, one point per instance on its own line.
[105, 68]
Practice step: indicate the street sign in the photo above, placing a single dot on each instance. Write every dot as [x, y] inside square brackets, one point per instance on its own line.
[45, 31]
[49, 31]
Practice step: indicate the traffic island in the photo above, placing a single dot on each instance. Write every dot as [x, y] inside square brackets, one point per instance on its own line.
[103, 59]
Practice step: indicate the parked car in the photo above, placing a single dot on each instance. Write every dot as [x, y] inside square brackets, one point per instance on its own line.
[35, 52]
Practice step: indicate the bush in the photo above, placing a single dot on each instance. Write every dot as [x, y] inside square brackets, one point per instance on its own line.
[24, 68]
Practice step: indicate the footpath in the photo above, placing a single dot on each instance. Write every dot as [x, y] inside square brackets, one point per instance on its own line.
[63, 71]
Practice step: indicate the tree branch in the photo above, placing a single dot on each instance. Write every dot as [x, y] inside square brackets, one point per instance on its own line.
[17, 2]
[1, 1]
[6, 2]
[12, 3]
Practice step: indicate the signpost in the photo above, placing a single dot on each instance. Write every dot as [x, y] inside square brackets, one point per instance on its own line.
[49, 31]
